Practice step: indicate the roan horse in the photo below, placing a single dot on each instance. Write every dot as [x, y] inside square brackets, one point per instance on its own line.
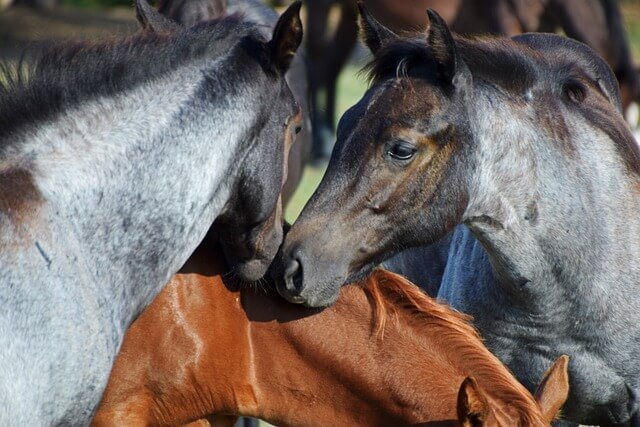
[190, 12]
[385, 354]
[522, 141]
[116, 159]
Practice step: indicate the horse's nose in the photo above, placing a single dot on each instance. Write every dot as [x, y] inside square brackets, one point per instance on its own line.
[291, 286]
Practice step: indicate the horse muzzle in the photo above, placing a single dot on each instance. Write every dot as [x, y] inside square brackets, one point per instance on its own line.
[298, 284]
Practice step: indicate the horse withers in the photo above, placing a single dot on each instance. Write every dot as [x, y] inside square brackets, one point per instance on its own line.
[385, 354]
[522, 141]
[115, 160]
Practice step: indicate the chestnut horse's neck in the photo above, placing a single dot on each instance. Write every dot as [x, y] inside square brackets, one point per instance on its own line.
[384, 354]
[376, 357]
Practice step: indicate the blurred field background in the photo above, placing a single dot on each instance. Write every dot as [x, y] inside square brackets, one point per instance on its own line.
[20, 27]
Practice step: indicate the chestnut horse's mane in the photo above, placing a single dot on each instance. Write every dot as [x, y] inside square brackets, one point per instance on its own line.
[391, 294]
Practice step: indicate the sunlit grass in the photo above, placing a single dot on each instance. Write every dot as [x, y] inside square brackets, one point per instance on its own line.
[351, 87]
[631, 16]
[310, 180]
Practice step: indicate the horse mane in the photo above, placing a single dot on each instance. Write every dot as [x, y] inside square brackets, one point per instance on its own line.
[392, 295]
[64, 76]
[492, 59]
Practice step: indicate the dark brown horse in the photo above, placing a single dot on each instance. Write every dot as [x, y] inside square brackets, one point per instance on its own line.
[385, 354]
[596, 23]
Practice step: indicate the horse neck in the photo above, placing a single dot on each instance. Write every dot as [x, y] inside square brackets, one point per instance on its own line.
[270, 359]
[108, 172]
[540, 238]
[334, 361]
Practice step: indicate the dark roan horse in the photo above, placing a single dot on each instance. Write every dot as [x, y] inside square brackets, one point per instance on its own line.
[190, 12]
[116, 158]
[522, 141]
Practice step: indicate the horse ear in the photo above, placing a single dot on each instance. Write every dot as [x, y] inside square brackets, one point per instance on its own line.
[442, 47]
[373, 33]
[472, 407]
[553, 390]
[152, 20]
[287, 37]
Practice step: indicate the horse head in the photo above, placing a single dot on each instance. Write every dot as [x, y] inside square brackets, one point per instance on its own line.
[250, 225]
[250, 229]
[454, 131]
[393, 149]
[476, 409]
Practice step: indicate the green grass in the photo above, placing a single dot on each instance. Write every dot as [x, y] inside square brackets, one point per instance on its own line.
[631, 16]
[310, 180]
[351, 87]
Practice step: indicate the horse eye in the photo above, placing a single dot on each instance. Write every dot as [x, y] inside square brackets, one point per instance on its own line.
[402, 151]
[575, 91]
[298, 129]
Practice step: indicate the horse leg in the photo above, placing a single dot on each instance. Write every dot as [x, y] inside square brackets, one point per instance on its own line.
[563, 423]
[248, 422]
[317, 23]
[626, 71]
[345, 38]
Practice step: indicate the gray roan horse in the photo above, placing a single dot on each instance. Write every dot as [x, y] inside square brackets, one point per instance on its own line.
[116, 160]
[521, 140]
[190, 12]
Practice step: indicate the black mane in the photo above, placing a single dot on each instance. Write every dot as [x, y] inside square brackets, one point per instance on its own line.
[493, 60]
[68, 74]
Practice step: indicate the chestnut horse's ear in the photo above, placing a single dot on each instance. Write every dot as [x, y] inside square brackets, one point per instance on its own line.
[152, 20]
[442, 47]
[553, 390]
[473, 408]
[373, 33]
[287, 37]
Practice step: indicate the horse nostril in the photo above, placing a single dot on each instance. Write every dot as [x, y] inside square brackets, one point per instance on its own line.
[293, 282]
[293, 276]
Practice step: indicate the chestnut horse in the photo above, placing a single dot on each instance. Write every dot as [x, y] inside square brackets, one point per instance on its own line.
[385, 354]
